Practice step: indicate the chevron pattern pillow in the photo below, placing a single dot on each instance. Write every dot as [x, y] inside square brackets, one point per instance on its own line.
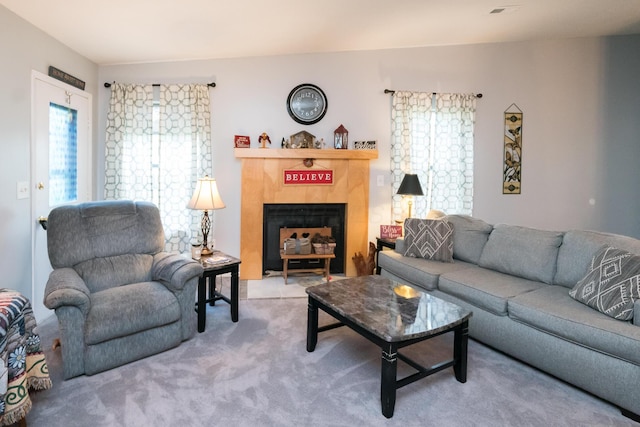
[612, 283]
[428, 238]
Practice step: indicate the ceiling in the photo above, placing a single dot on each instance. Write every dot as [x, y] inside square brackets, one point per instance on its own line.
[134, 31]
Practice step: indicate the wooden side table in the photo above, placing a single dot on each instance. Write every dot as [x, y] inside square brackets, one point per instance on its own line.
[324, 271]
[214, 265]
[380, 245]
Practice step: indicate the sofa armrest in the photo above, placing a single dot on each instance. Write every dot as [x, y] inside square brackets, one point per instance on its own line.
[400, 245]
[636, 313]
[174, 270]
[65, 287]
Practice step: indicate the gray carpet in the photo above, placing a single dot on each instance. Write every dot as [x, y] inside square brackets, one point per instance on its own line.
[257, 372]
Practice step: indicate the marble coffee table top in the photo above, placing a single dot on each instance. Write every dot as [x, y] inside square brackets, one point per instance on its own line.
[391, 310]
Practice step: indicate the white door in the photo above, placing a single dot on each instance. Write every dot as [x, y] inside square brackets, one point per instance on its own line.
[60, 165]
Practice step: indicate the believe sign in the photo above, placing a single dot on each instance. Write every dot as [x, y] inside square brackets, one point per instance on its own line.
[293, 176]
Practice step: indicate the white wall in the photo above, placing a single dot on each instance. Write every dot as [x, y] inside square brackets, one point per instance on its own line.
[24, 48]
[580, 98]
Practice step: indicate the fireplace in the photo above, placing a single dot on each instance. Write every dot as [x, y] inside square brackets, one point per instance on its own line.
[263, 183]
[301, 215]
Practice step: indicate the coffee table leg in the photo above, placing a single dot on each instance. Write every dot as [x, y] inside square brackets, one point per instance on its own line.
[312, 325]
[234, 295]
[460, 343]
[202, 305]
[388, 380]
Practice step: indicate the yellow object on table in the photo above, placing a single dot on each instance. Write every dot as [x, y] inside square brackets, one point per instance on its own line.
[23, 363]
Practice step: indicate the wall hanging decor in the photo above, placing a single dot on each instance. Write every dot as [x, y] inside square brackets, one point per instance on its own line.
[512, 166]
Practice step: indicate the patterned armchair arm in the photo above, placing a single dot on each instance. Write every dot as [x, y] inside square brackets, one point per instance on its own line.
[174, 270]
[66, 288]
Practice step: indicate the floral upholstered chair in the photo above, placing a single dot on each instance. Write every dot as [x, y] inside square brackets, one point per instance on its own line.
[117, 295]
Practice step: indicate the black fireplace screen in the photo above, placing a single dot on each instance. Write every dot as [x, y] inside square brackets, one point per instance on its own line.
[301, 215]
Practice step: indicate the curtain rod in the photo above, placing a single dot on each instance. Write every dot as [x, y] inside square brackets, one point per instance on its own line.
[212, 84]
[478, 95]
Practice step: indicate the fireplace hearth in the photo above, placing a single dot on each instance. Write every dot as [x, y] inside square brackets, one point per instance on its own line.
[301, 215]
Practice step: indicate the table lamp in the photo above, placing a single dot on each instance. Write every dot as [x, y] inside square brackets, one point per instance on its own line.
[410, 186]
[206, 197]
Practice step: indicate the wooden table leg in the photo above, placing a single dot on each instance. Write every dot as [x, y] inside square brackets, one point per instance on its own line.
[388, 381]
[286, 267]
[460, 343]
[202, 305]
[235, 282]
[312, 324]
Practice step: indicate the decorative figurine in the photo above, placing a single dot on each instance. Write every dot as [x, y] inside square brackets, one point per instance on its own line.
[263, 140]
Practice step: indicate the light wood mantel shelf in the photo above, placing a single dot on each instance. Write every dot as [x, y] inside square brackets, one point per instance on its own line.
[304, 153]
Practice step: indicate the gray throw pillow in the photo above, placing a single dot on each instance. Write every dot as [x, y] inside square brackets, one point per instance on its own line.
[428, 238]
[611, 284]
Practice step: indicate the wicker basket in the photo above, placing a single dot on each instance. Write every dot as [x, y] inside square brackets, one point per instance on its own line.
[324, 248]
[297, 246]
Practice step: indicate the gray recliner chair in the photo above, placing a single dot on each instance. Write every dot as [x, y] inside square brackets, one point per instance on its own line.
[117, 295]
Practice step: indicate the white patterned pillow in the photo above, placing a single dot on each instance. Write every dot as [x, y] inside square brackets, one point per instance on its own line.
[611, 284]
[428, 238]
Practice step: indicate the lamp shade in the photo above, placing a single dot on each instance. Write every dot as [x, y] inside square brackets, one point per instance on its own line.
[410, 186]
[206, 196]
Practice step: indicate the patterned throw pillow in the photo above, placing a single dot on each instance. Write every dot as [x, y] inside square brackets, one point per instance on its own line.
[611, 284]
[428, 238]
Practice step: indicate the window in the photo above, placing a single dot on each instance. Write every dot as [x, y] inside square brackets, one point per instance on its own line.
[432, 136]
[158, 144]
[63, 154]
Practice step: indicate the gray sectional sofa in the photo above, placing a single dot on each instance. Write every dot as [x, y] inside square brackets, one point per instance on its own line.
[516, 280]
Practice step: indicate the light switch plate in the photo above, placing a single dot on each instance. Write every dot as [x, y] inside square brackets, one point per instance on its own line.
[23, 190]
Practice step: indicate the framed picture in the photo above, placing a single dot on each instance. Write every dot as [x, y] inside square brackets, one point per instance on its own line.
[241, 141]
[390, 231]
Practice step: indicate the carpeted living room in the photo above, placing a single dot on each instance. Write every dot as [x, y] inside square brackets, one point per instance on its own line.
[196, 192]
[258, 372]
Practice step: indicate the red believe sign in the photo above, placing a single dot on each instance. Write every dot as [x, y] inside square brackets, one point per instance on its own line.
[295, 176]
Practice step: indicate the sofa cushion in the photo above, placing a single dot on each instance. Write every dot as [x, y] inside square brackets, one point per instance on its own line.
[612, 283]
[551, 310]
[469, 237]
[429, 239]
[417, 271]
[523, 252]
[144, 305]
[486, 289]
[578, 249]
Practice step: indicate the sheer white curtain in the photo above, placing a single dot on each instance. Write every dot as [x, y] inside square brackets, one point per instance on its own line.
[432, 136]
[158, 143]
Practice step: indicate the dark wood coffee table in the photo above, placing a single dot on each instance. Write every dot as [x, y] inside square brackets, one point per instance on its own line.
[372, 306]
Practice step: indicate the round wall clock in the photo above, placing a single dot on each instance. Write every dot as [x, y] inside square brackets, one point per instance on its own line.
[307, 104]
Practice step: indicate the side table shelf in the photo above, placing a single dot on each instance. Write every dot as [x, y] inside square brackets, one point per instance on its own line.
[380, 245]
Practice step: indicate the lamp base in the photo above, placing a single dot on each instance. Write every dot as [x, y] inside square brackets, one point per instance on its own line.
[206, 251]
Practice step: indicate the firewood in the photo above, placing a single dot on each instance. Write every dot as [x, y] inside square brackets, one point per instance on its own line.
[365, 267]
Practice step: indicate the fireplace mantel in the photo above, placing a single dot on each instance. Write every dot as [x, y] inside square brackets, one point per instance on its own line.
[262, 182]
[304, 153]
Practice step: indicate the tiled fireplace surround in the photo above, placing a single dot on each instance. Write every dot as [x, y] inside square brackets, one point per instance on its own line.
[262, 182]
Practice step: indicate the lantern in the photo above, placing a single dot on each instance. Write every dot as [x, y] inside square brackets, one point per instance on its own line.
[341, 138]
